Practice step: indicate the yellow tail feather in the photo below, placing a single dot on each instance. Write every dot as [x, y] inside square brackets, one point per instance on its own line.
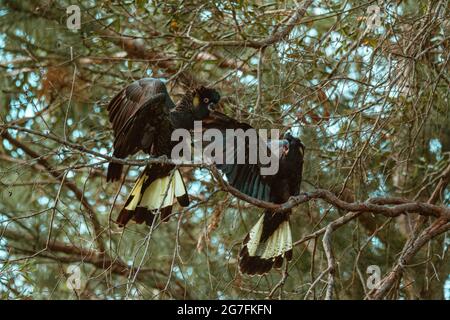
[255, 236]
[160, 193]
[136, 192]
[276, 245]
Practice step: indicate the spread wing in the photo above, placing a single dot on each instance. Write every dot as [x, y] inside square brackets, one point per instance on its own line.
[139, 114]
[246, 177]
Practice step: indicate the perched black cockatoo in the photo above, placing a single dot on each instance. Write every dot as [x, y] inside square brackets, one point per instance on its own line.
[143, 117]
[269, 242]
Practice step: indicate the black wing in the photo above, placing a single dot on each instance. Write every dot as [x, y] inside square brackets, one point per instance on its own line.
[247, 177]
[139, 114]
[289, 177]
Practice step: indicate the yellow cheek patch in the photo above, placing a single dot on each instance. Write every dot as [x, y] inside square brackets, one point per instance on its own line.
[196, 101]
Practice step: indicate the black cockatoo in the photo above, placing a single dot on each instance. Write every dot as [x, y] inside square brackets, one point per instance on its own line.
[143, 117]
[269, 242]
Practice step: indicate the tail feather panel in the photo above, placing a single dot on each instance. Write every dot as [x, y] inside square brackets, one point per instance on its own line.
[147, 197]
[254, 237]
[279, 242]
[135, 194]
[159, 194]
[266, 247]
[179, 187]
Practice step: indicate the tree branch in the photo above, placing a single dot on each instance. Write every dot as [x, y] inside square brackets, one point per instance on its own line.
[57, 175]
[277, 36]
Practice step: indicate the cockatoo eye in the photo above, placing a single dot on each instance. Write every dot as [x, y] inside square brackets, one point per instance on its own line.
[206, 100]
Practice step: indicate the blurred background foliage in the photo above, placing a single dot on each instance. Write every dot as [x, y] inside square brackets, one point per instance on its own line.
[371, 106]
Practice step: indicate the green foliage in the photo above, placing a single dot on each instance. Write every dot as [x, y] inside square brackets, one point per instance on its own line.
[372, 109]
